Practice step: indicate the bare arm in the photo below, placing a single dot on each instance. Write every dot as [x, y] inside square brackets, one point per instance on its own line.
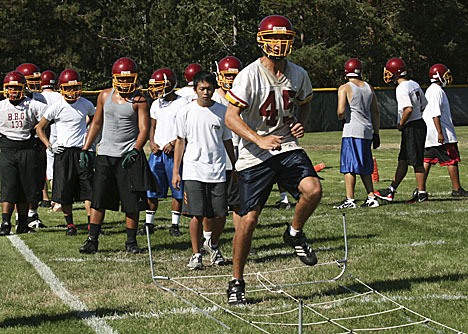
[440, 135]
[375, 114]
[342, 99]
[40, 130]
[178, 154]
[406, 115]
[237, 125]
[230, 151]
[141, 104]
[96, 123]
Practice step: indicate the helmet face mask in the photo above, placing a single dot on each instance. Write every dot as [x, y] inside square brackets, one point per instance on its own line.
[228, 68]
[393, 70]
[162, 83]
[124, 75]
[14, 86]
[70, 85]
[440, 73]
[275, 36]
[32, 75]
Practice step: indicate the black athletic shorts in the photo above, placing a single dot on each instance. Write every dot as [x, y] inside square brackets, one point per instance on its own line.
[71, 182]
[20, 175]
[114, 184]
[286, 169]
[413, 138]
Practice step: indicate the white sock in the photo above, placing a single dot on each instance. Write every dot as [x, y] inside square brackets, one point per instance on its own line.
[32, 212]
[175, 217]
[284, 197]
[207, 236]
[293, 232]
[421, 191]
[392, 189]
[150, 217]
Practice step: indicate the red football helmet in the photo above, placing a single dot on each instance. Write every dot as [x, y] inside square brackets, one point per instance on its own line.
[70, 85]
[440, 72]
[228, 68]
[14, 85]
[190, 72]
[32, 73]
[48, 79]
[353, 68]
[394, 69]
[124, 75]
[275, 36]
[161, 83]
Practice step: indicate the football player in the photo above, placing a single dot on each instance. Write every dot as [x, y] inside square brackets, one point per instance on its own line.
[411, 103]
[189, 73]
[357, 107]
[162, 138]
[19, 167]
[121, 173]
[441, 140]
[265, 99]
[69, 114]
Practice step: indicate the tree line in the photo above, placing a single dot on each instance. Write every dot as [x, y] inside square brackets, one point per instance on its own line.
[89, 35]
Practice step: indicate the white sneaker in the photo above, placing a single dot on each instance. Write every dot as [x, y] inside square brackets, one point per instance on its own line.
[195, 262]
[370, 203]
[216, 257]
[347, 204]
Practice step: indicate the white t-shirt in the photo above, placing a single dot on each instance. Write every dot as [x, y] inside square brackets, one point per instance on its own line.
[269, 105]
[164, 112]
[438, 106]
[70, 120]
[51, 97]
[205, 132]
[409, 94]
[16, 122]
[187, 92]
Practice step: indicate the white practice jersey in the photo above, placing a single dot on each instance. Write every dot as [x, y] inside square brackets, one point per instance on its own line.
[187, 92]
[269, 105]
[16, 122]
[205, 132]
[70, 121]
[438, 106]
[409, 94]
[51, 97]
[164, 112]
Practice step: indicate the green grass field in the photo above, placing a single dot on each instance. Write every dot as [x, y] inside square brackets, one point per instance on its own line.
[413, 256]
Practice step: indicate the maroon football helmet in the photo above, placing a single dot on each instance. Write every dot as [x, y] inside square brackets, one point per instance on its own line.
[48, 79]
[70, 85]
[32, 73]
[440, 73]
[162, 82]
[124, 75]
[228, 68]
[14, 86]
[275, 36]
[353, 68]
[394, 69]
[190, 72]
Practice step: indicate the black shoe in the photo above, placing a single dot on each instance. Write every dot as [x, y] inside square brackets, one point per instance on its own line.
[301, 248]
[46, 204]
[174, 230]
[34, 222]
[460, 193]
[132, 248]
[236, 292]
[71, 230]
[143, 229]
[5, 229]
[418, 197]
[282, 206]
[89, 247]
[23, 228]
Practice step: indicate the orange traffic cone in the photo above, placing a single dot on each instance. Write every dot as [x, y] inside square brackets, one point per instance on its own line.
[375, 173]
[319, 167]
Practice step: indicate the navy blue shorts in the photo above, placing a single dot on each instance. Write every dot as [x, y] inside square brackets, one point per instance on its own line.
[286, 169]
[356, 156]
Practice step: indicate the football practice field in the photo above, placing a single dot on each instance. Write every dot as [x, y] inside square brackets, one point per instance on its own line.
[402, 268]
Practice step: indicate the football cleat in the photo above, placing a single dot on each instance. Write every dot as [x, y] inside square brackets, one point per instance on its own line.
[370, 202]
[71, 230]
[89, 246]
[34, 222]
[418, 197]
[236, 292]
[23, 228]
[460, 193]
[5, 229]
[174, 231]
[143, 229]
[385, 194]
[301, 247]
[346, 204]
[195, 262]
[132, 248]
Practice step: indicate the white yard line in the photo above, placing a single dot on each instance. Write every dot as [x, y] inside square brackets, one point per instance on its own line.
[82, 311]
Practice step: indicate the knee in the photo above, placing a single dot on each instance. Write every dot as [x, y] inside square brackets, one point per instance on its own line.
[311, 191]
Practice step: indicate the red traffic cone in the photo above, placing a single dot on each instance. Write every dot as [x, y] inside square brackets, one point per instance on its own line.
[375, 173]
[319, 167]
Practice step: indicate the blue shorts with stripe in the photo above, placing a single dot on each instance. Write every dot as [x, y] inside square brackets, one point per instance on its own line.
[356, 156]
[161, 165]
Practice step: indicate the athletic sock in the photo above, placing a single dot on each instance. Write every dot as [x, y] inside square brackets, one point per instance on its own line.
[131, 235]
[293, 232]
[175, 217]
[150, 217]
[69, 220]
[94, 230]
[6, 217]
[207, 236]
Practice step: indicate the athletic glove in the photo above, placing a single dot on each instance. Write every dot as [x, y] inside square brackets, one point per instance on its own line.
[375, 141]
[84, 159]
[130, 158]
[56, 149]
